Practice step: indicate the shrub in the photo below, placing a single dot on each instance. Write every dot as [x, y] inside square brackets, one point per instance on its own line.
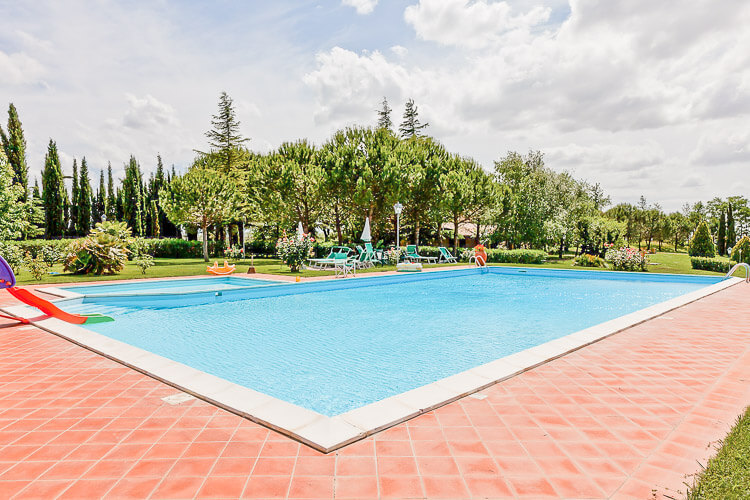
[741, 250]
[293, 251]
[37, 266]
[103, 251]
[518, 256]
[587, 260]
[702, 244]
[627, 259]
[143, 261]
[12, 255]
[715, 265]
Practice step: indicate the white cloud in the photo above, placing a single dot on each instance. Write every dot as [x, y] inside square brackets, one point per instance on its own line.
[399, 50]
[469, 24]
[362, 6]
[148, 113]
[721, 148]
[19, 69]
[618, 89]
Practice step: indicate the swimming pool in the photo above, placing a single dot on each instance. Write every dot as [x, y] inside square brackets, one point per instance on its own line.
[167, 286]
[335, 346]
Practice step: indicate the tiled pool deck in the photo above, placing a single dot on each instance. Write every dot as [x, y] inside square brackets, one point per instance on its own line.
[633, 413]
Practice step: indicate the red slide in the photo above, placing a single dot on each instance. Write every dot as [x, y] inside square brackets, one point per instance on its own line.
[51, 309]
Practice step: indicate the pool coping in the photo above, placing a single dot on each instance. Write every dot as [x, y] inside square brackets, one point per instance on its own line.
[325, 433]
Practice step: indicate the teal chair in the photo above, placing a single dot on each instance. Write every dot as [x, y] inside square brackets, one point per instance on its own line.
[445, 256]
[411, 254]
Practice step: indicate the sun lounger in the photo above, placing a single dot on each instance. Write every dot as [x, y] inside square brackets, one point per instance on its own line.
[411, 254]
[445, 256]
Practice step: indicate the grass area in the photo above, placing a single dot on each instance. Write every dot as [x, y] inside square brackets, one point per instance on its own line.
[664, 262]
[728, 473]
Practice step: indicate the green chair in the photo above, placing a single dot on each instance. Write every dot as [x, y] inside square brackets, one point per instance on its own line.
[411, 254]
[445, 256]
[334, 259]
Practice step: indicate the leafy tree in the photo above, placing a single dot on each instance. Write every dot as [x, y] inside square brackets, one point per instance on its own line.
[702, 245]
[84, 200]
[411, 126]
[341, 158]
[420, 161]
[529, 198]
[384, 115]
[681, 228]
[225, 137]
[54, 194]
[14, 145]
[300, 181]
[741, 251]
[460, 200]
[74, 198]
[378, 178]
[132, 197]
[200, 198]
[13, 220]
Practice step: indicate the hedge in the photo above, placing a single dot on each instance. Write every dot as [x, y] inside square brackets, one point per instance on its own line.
[715, 265]
[518, 256]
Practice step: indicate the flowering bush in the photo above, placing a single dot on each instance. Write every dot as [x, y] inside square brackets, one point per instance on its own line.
[587, 260]
[627, 259]
[393, 255]
[466, 255]
[294, 251]
[234, 252]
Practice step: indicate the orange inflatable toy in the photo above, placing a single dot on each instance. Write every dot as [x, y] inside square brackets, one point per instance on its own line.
[221, 271]
[480, 254]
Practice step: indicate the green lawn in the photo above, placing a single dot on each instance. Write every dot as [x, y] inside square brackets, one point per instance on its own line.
[728, 473]
[664, 262]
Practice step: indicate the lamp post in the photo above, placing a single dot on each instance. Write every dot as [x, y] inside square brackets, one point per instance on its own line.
[398, 207]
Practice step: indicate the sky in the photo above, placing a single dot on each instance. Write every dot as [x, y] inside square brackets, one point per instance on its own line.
[646, 98]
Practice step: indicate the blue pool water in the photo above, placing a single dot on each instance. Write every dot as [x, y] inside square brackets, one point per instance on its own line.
[168, 286]
[335, 346]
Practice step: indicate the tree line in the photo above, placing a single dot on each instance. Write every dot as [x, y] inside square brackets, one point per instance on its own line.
[358, 172]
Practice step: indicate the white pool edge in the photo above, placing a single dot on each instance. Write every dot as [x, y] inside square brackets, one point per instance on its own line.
[325, 433]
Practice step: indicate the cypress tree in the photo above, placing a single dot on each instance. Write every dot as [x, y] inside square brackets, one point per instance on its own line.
[74, 198]
[101, 199]
[14, 145]
[721, 235]
[36, 193]
[111, 196]
[384, 115]
[731, 230]
[132, 197]
[411, 126]
[54, 194]
[84, 200]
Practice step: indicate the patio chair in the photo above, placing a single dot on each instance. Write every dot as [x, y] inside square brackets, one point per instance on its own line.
[334, 258]
[411, 254]
[364, 259]
[445, 256]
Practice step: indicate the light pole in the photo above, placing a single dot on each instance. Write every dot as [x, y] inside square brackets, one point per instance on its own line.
[398, 207]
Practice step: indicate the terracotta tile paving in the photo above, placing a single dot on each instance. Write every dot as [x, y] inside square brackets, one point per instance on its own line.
[623, 418]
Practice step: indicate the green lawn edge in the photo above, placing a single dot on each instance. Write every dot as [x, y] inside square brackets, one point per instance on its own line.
[727, 475]
[664, 262]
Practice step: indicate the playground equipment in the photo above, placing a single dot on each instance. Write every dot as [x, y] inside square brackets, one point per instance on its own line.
[8, 282]
[221, 271]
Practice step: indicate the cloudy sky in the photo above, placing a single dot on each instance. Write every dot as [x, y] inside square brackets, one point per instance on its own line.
[644, 97]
